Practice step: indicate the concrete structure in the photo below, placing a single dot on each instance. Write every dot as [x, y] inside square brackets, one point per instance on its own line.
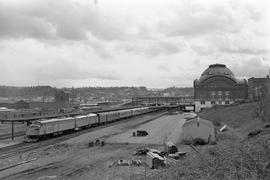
[218, 86]
[162, 100]
[199, 128]
[258, 88]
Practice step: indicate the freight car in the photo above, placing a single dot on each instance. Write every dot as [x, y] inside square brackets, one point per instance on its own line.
[46, 128]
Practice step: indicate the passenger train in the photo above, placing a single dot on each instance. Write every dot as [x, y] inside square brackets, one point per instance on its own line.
[42, 129]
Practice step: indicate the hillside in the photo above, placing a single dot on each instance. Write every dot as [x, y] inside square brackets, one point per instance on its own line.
[235, 156]
[241, 117]
[92, 94]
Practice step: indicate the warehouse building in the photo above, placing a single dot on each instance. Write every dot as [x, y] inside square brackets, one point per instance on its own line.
[218, 86]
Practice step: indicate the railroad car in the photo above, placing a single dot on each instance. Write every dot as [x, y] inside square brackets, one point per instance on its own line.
[51, 127]
[145, 110]
[85, 121]
[125, 113]
[43, 128]
[106, 117]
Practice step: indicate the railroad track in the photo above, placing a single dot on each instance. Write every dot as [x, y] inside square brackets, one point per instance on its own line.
[14, 150]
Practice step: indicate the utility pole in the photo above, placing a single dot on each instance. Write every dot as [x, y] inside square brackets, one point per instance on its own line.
[145, 168]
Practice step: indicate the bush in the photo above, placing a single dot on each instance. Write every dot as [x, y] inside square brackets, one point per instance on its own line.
[216, 123]
[198, 141]
[195, 141]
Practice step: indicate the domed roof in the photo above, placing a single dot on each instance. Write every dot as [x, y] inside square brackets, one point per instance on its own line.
[217, 70]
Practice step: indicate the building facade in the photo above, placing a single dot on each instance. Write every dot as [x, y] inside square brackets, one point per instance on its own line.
[258, 88]
[218, 86]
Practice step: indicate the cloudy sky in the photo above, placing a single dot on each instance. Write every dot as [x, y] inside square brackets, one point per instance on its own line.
[153, 43]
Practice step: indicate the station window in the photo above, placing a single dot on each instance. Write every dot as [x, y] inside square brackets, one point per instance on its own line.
[220, 94]
[220, 102]
[202, 102]
[227, 94]
[227, 102]
[213, 93]
[213, 102]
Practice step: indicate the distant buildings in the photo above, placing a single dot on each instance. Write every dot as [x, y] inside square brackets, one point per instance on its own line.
[218, 86]
[258, 88]
[162, 100]
[62, 96]
[17, 105]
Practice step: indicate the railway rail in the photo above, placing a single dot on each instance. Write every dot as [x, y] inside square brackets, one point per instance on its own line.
[14, 150]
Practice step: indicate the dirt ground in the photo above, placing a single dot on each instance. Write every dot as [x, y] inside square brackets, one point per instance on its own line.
[73, 159]
[166, 128]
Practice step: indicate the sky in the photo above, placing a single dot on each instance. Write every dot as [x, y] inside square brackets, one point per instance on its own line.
[152, 43]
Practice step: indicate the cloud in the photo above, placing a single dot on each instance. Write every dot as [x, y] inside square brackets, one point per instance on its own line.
[195, 19]
[153, 48]
[116, 42]
[54, 20]
[201, 49]
[245, 43]
[67, 70]
[163, 67]
[253, 67]
[16, 25]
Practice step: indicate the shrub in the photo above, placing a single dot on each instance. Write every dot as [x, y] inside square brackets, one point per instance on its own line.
[216, 123]
[198, 141]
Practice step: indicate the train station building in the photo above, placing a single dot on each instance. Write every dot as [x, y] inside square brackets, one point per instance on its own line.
[218, 86]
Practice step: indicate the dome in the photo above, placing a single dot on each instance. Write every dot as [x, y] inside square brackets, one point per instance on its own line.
[217, 70]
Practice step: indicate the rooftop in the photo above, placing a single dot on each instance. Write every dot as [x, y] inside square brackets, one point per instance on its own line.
[217, 70]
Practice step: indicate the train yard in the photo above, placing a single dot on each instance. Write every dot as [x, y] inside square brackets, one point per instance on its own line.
[75, 141]
[17, 120]
[23, 147]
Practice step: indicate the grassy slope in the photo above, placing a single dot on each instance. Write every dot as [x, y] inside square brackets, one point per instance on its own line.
[241, 117]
